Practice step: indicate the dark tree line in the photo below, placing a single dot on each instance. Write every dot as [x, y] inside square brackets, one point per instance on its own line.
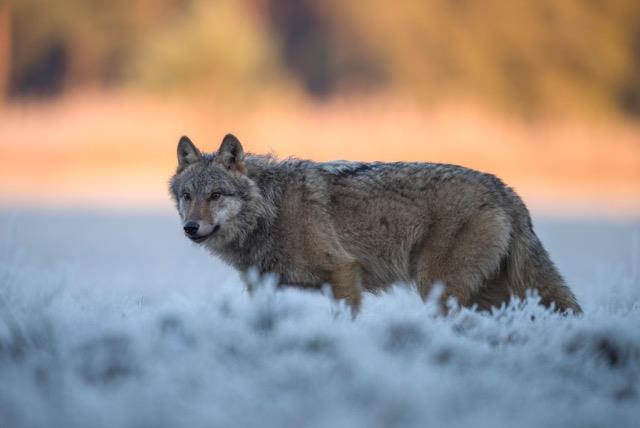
[525, 55]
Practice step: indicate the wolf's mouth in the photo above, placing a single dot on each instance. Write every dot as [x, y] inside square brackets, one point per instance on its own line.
[199, 239]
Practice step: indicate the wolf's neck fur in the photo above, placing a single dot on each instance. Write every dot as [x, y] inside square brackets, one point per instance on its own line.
[253, 246]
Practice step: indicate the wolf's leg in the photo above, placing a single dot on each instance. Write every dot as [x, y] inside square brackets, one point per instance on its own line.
[345, 284]
[248, 283]
[334, 264]
[463, 257]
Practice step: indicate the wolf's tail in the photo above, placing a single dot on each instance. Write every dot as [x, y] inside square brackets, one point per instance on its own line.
[529, 267]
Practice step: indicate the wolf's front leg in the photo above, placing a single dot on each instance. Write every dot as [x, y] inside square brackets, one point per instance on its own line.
[248, 282]
[345, 284]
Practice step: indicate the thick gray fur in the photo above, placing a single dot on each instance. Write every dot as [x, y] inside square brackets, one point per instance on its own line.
[364, 226]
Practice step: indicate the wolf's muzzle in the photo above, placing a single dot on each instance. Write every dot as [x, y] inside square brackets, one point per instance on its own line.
[191, 228]
[193, 235]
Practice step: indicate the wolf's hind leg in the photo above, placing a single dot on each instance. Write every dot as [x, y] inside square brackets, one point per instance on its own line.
[345, 284]
[462, 258]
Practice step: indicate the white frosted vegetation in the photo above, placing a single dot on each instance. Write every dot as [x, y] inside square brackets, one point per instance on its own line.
[111, 320]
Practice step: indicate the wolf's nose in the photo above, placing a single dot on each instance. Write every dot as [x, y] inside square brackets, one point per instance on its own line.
[191, 228]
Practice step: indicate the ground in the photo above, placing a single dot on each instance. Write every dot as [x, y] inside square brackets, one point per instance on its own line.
[117, 320]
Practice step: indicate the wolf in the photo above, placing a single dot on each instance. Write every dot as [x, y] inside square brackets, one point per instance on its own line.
[365, 226]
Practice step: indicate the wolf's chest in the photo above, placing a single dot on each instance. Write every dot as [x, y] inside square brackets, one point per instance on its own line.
[292, 273]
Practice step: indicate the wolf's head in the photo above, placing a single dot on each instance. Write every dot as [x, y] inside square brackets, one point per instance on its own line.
[217, 201]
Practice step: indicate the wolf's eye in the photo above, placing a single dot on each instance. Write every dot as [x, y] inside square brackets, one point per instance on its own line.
[214, 196]
[186, 196]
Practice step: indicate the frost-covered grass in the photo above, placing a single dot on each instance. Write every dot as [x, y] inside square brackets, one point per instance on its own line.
[116, 320]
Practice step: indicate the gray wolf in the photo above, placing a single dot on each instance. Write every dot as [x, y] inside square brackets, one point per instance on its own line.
[364, 226]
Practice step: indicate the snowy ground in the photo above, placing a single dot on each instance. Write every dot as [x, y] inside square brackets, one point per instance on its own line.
[118, 321]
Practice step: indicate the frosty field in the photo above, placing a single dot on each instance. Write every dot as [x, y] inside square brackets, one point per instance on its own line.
[116, 320]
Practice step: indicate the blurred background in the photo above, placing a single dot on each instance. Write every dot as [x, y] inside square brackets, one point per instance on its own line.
[545, 94]
[109, 316]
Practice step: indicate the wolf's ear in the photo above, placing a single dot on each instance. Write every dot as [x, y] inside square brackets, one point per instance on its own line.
[231, 154]
[188, 153]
